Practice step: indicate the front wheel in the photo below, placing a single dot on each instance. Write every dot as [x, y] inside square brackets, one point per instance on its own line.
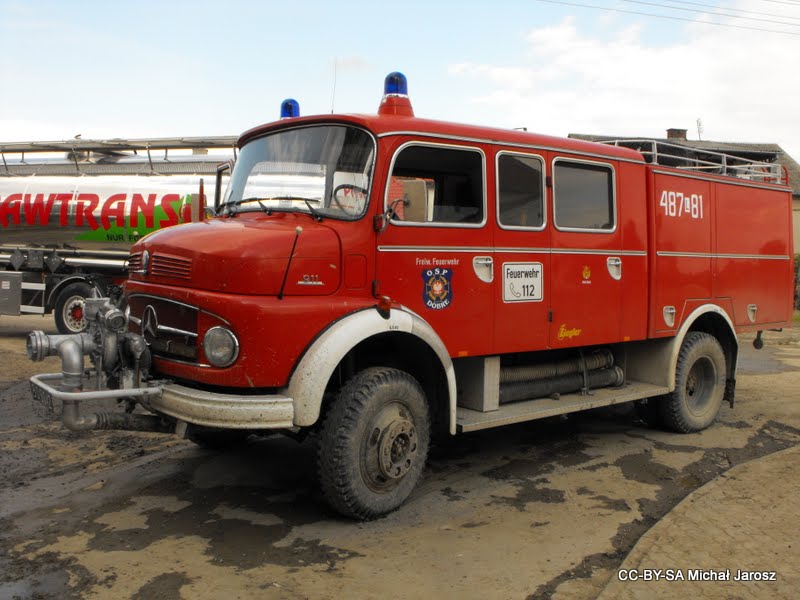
[699, 385]
[373, 443]
[69, 308]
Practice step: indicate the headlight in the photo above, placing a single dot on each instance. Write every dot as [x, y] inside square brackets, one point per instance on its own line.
[220, 346]
[145, 262]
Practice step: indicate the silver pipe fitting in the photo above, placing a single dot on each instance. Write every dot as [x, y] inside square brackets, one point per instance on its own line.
[109, 322]
[71, 349]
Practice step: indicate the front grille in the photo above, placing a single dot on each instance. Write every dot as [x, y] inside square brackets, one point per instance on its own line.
[175, 267]
[169, 327]
[135, 261]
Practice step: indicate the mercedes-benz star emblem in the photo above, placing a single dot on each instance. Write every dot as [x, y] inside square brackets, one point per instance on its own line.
[149, 323]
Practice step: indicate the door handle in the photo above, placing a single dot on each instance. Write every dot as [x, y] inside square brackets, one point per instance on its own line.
[614, 265]
[484, 268]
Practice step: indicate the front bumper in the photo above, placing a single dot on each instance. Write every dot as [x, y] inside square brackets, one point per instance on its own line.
[210, 409]
[184, 404]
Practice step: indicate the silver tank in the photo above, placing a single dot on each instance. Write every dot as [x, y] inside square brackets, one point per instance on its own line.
[93, 212]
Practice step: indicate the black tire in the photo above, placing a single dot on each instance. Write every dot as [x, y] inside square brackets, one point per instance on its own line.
[699, 385]
[69, 307]
[373, 443]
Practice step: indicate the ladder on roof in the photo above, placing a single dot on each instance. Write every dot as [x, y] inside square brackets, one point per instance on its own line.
[706, 161]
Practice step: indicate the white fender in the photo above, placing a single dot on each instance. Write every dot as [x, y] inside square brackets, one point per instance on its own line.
[688, 322]
[656, 360]
[307, 384]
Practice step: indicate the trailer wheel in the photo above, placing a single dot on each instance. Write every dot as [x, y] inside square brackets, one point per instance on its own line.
[373, 443]
[69, 308]
[699, 385]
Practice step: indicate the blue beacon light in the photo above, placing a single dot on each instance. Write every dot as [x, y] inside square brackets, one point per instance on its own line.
[395, 84]
[395, 100]
[290, 108]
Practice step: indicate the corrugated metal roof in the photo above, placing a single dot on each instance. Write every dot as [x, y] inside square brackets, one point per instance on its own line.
[190, 167]
[155, 156]
[120, 145]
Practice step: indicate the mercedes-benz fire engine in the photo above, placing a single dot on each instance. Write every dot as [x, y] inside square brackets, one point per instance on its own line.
[374, 280]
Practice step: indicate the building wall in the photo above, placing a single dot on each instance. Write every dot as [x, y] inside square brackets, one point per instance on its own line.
[796, 222]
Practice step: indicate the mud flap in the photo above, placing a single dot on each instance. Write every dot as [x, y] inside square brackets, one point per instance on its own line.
[730, 391]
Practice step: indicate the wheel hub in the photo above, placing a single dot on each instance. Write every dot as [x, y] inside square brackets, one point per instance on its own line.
[698, 388]
[691, 383]
[76, 312]
[396, 449]
[73, 314]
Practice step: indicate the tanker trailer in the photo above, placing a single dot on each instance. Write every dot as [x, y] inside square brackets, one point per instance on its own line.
[70, 211]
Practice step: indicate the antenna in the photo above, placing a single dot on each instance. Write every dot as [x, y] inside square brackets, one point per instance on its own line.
[333, 93]
[297, 231]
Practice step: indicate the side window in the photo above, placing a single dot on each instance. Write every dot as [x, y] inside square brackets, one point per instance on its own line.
[583, 196]
[437, 185]
[520, 191]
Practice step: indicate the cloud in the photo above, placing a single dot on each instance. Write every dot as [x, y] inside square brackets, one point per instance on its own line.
[619, 81]
[351, 63]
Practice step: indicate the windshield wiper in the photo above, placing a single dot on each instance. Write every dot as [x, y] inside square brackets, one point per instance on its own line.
[269, 209]
[227, 207]
[314, 212]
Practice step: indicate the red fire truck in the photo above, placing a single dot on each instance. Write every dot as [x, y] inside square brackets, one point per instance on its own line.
[374, 280]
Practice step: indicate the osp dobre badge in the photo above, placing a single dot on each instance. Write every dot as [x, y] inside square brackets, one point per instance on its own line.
[437, 292]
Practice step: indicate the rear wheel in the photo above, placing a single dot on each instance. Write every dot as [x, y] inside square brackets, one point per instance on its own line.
[69, 308]
[699, 385]
[373, 443]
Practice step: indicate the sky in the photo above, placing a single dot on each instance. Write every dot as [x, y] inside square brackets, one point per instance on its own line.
[607, 67]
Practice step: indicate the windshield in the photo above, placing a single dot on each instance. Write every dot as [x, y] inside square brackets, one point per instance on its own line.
[323, 170]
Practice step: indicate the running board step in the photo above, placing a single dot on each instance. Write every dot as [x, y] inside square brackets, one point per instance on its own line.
[517, 412]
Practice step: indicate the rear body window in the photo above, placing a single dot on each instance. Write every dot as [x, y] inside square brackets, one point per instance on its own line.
[583, 196]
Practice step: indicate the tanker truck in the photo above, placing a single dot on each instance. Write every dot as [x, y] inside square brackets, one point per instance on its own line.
[70, 211]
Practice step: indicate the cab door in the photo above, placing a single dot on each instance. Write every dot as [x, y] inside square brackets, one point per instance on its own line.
[587, 267]
[435, 254]
[522, 252]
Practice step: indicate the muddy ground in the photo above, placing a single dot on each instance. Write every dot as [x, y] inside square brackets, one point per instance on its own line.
[547, 509]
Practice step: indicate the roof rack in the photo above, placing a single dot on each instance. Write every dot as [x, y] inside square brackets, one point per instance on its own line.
[666, 154]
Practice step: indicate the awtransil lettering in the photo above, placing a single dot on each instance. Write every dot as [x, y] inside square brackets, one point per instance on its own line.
[90, 211]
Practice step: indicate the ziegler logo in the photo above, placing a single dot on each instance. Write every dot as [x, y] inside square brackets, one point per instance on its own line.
[568, 334]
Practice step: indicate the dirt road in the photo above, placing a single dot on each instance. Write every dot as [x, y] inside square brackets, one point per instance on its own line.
[539, 510]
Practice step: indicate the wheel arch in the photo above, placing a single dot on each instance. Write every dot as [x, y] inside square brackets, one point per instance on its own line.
[655, 361]
[54, 292]
[363, 339]
[718, 325]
